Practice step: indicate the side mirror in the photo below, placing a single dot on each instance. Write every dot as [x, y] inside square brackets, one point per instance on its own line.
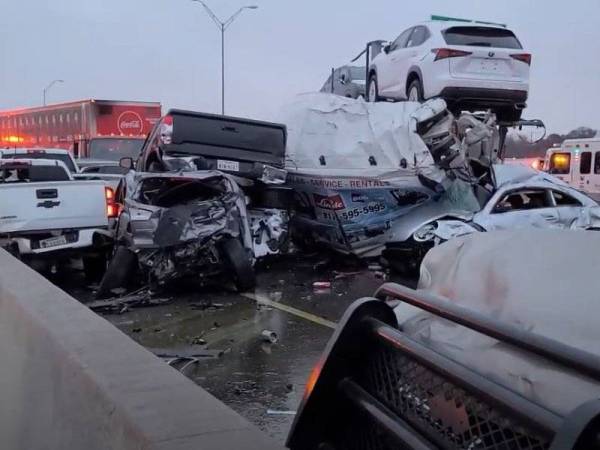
[126, 163]
[386, 48]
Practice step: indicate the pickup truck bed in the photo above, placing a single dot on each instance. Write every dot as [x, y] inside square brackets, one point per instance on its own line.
[377, 388]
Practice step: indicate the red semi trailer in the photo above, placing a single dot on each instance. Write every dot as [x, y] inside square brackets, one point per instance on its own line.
[99, 129]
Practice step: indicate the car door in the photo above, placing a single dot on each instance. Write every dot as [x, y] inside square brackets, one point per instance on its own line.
[386, 76]
[414, 52]
[519, 209]
[568, 207]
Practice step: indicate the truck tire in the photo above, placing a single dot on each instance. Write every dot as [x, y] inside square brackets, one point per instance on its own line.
[94, 267]
[119, 273]
[236, 260]
[373, 89]
[414, 93]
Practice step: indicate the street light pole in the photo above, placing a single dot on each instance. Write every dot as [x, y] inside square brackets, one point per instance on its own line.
[222, 27]
[47, 88]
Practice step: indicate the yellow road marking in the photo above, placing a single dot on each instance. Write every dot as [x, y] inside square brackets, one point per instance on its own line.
[290, 309]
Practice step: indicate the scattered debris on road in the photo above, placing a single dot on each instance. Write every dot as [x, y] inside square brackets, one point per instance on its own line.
[269, 336]
[140, 298]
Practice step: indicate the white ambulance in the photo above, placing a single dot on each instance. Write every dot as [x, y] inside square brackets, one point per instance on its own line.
[577, 162]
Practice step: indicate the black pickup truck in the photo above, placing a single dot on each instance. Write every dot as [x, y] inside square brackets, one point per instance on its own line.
[239, 146]
[376, 388]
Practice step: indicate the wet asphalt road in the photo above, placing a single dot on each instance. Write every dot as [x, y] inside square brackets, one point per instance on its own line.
[262, 381]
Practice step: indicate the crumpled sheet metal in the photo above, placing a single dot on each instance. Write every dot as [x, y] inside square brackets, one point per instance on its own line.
[346, 133]
[193, 220]
[230, 203]
[543, 281]
[269, 228]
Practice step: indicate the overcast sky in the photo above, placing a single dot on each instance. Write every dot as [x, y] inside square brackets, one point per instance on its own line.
[169, 50]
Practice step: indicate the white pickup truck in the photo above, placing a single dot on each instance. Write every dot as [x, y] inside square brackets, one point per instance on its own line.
[47, 217]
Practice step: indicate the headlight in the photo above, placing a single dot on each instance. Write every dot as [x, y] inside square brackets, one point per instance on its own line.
[425, 233]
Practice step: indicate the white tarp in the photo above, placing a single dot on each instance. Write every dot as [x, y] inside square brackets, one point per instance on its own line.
[543, 281]
[351, 135]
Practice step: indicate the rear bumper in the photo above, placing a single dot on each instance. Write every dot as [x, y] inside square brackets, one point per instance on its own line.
[82, 240]
[469, 95]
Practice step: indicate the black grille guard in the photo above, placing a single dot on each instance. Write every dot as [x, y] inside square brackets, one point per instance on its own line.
[377, 388]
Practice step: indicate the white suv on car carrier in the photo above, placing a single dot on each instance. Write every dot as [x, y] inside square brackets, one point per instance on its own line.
[472, 65]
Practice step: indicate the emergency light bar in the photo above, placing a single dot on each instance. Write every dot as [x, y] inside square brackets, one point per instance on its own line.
[454, 19]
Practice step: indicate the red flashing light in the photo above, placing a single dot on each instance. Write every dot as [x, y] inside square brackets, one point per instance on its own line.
[523, 57]
[168, 120]
[443, 53]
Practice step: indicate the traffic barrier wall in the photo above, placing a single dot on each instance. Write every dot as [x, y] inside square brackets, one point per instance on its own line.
[71, 380]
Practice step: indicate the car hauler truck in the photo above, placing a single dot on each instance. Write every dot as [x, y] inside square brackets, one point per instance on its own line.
[99, 129]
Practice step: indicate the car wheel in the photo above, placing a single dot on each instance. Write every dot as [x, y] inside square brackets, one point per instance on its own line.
[94, 267]
[414, 93]
[373, 91]
[237, 260]
[120, 271]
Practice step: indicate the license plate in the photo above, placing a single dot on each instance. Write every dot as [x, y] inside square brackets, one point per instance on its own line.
[232, 166]
[53, 242]
[491, 66]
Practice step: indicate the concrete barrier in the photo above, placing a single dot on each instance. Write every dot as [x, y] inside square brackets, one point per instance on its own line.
[71, 380]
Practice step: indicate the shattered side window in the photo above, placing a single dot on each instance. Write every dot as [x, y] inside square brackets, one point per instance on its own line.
[522, 201]
[459, 196]
[562, 199]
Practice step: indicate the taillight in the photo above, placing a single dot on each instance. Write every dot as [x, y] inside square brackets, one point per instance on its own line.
[523, 57]
[112, 208]
[443, 53]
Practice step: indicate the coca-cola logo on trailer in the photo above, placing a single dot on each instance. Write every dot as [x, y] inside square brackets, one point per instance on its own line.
[130, 122]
